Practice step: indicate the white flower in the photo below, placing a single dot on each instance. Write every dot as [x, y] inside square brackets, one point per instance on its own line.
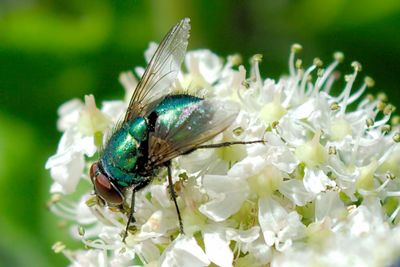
[323, 190]
[280, 228]
[80, 123]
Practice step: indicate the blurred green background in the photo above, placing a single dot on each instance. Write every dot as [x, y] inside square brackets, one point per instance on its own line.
[52, 51]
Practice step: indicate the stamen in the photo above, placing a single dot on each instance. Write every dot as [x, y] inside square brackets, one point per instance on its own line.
[332, 78]
[390, 175]
[350, 80]
[335, 106]
[81, 230]
[338, 56]
[357, 94]
[381, 105]
[106, 218]
[293, 85]
[356, 65]
[257, 58]
[100, 244]
[385, 156]
[382, 96]
[395, 120]
[295, 49]
[305, 79]
[53, 200]
[382, 186]
[369, 100]
[67, 207]
[318, 62]
[369, 122]
[64, 210]
[242, 73]
[386, 128]
[315, 89]
[61, 214]
[370, 97]
[328, 71]
[369, 81]
[394, 214]
[393, 194]
[381, 122]
[70, 256]
[235, 59]
[245, 84]
[396, 137]
[299, 64]
[58, 247]
[389, 109]
[356, 146]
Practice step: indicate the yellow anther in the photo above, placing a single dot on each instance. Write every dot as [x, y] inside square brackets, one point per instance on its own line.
[296, 48]
[369, 81]
[338, 56]
[356, 65]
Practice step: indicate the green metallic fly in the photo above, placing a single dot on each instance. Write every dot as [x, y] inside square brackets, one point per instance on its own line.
[158, 126]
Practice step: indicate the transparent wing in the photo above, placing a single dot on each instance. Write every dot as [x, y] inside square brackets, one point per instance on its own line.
[196, 125]
[161, 71]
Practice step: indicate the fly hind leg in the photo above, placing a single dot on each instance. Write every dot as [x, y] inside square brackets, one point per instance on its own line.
[225, 144]
[173, 196]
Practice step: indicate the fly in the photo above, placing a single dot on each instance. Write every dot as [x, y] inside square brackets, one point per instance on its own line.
[158, 126]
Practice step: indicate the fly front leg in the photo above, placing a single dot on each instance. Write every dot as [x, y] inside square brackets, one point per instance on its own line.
[225, 144]
[131, 218]
[173, 195]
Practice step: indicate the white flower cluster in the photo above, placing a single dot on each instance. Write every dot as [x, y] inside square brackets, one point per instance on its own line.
[323, 190]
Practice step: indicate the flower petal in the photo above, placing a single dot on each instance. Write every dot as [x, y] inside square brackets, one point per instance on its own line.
[217, 247]
[315, 180]
[227, 195]
[328, 204]
[69, 114]
[184, 251]
[66, 177]
[243, 236]
[296, 192]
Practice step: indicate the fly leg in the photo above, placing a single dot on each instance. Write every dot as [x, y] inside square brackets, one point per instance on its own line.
[224, 144]
[173, 195]
[131, 218]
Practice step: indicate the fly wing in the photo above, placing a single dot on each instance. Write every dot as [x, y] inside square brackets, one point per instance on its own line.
[196, 125]
[162, 70]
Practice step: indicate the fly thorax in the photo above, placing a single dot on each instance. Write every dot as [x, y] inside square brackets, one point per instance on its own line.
[121, 154]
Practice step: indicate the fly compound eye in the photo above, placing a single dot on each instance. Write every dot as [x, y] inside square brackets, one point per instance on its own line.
[93, 170]
[104, 188]
[107, 191]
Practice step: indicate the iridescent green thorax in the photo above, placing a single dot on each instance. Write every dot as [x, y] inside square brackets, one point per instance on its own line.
[125, 150]
[122, 151]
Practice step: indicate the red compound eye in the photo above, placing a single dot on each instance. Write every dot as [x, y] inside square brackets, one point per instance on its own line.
[104, 188]
[93, 170]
